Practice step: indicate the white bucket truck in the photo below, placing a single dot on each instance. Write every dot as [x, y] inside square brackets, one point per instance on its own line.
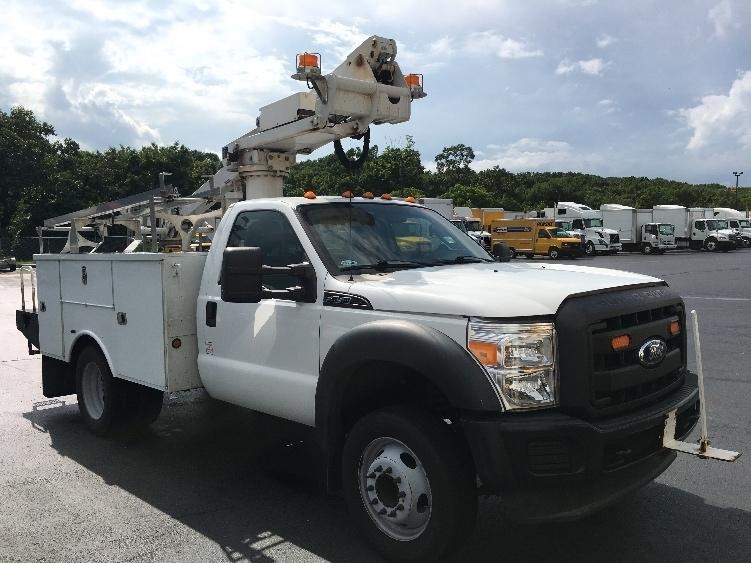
[581, 220]
[432, 373]
[738, 221]
[696, 228]
[637, 229]
[473, 226]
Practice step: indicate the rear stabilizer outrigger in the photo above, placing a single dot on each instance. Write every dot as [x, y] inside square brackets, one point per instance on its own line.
[703, 448]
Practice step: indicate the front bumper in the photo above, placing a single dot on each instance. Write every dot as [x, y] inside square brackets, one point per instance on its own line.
[727, 244]
[555, 466]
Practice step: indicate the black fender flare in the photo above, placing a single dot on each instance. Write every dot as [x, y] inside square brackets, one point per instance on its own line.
[424, 350]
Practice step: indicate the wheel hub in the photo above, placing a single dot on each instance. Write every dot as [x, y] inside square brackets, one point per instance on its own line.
[395, 489]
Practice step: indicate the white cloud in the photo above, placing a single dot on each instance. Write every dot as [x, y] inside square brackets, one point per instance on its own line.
[484, 42]
[593, 67]
[538, 154]
[604, 40]
[608, 106]
[722, 119]
[729, 17]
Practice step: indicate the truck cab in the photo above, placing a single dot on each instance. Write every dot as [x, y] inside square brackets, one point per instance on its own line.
[657, 237]
[737, 221]
[713, 234]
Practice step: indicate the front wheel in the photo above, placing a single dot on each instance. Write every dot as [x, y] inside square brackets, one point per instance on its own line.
[408, 484]
[553, 253]
[647, 248]
[589, 249]
[711, 244]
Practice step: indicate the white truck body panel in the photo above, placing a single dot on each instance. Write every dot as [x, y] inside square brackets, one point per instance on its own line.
[580, 216]
[156, 292]
[440, 205]
[620, 218]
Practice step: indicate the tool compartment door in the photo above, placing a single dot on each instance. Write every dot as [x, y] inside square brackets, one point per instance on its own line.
[50, 313]
[138, 324]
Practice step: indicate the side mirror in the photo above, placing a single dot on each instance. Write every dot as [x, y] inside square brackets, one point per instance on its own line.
[502, 252]
[242, 270]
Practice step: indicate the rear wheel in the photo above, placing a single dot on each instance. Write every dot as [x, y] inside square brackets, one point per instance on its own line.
[95, 390]
[553, 253]
[409, 484]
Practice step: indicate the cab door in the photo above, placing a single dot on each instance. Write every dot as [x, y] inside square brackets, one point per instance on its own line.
[263, 356]
[698, 233]
[542, 242]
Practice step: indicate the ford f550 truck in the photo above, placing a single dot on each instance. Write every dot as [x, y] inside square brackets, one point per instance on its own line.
[431, 372]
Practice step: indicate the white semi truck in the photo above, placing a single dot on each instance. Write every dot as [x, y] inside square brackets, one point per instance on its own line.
[637, 229]
[581, 220]
[737, 220]
[431, 373]
[696, 228]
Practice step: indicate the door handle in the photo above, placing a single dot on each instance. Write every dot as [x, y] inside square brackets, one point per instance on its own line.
[211, 313]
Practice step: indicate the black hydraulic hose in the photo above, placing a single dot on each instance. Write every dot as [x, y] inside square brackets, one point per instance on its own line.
[357, 163]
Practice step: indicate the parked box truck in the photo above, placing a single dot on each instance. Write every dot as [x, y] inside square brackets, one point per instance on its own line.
[637, 229]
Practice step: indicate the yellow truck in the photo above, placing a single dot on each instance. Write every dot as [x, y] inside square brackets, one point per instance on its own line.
[487, 215]
[534, 236]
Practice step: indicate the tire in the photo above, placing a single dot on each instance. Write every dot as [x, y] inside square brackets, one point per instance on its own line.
[554, 253]
[710, 244]
[590, 249]
[405, 457]
[613, 253]
[529, 255]
[95, 388]
[12, 268]
[513, 252]
[647, 249]
[746, 242]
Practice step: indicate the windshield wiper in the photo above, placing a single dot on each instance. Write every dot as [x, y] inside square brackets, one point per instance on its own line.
[386, 265]
[464, 260]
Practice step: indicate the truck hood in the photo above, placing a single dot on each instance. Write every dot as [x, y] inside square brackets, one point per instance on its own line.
[487, 289]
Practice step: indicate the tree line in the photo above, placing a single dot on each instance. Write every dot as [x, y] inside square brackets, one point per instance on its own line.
[43, 176]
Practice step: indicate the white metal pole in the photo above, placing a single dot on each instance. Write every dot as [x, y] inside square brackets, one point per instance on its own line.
[704, 443]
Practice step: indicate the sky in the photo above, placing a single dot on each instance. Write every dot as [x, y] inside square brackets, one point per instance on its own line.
[616, 88]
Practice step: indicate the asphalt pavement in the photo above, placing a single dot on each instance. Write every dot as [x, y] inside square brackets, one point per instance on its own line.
[211, 482]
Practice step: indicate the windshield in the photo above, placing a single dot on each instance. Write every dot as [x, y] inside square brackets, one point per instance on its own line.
[666, 229]
[557, 232]
[386, 236]
[596, 223]
[744, 223]
[715, 225]
[474, 225]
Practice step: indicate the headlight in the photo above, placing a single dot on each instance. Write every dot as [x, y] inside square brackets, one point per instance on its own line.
[722, 237]
[520, 359]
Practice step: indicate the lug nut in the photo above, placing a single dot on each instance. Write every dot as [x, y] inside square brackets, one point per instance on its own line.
[370, 488]
[379, 469]
[371, 475]
[388, 470]
[400, 507]
[402, 494]
[392, 513]
[374, 501]
[382, 511]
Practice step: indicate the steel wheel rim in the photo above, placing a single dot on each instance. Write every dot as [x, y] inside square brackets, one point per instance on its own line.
[711, 245]
[396, 495]
[92, 384]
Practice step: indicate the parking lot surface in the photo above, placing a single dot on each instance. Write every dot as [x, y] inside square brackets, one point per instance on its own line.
[211, 482]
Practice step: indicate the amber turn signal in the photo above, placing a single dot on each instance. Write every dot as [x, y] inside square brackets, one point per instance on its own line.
[620, 342]
[386, 196]
[310, 194]
[675, 328]
[410, 199]
[485, 352]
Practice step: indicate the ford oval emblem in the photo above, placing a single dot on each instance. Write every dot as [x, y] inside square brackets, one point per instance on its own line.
[652, 352]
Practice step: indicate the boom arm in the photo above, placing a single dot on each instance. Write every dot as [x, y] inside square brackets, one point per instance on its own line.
[368, 88]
